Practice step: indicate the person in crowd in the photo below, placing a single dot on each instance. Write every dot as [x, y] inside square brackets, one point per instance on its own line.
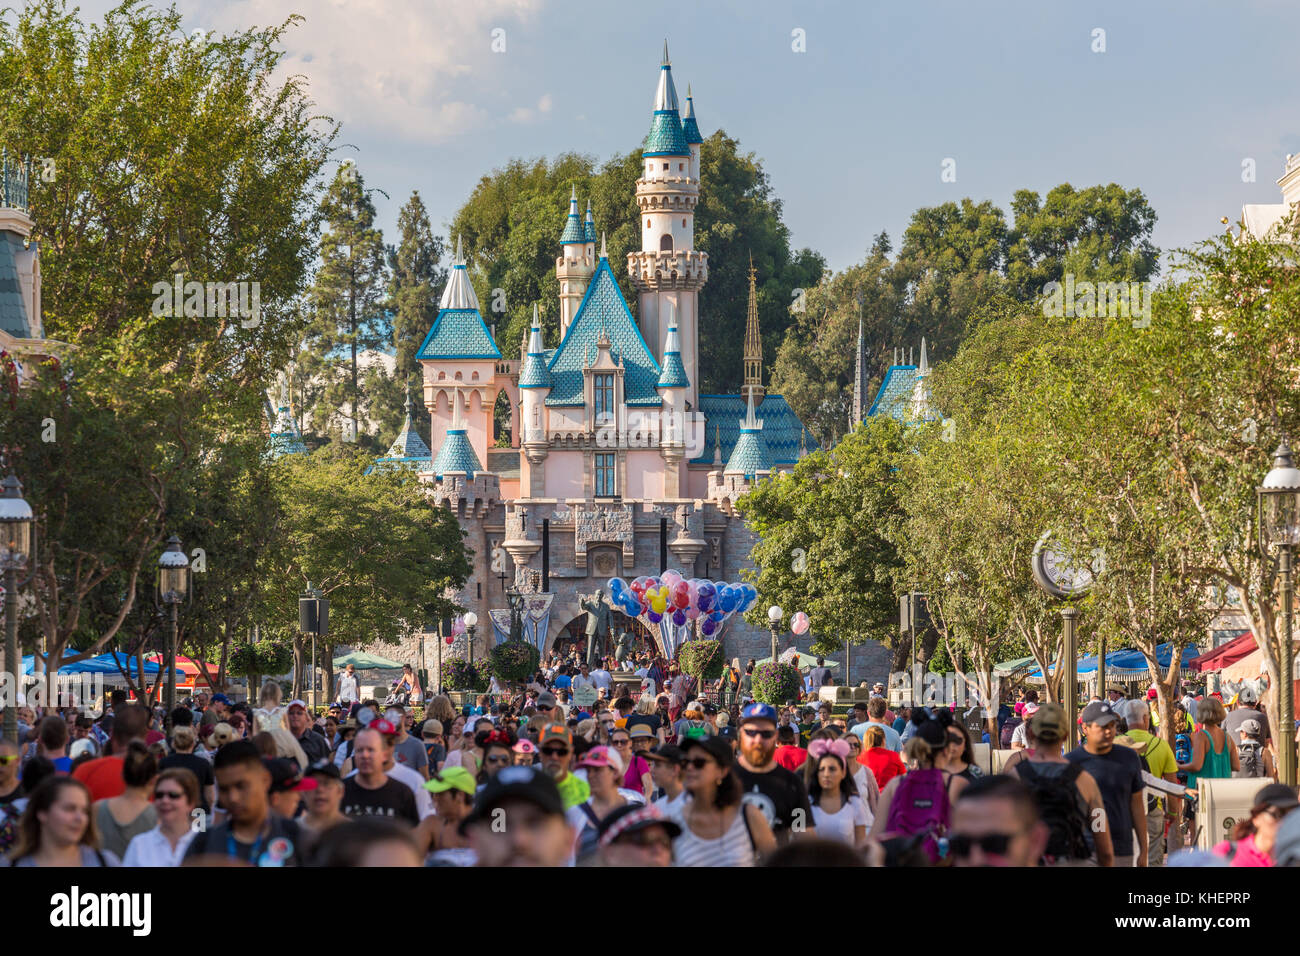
[435, 748]
[1255, 759]
[497, 747]
[453, 799]
[876, 709]
[369, 842]
[777, 792]
[525, 752]
[1159, 760]
[637, 777]
[919, 803]
[184, 740]
[961, 755]
[863, 778]
[635, 835]
[349, 687]
[52, 742]
[788, 752]
[288, 785]
[253, 833]
[667, 766]
[1067, 795]
[119, 819]
[718, 827]
[1213, 754]
[532, 829]
[604, 769]
[10, 784]
[175, 798]
[838, 810]
[372, 791]
[324, 801]
[103, 775]
[57, 828]
[882, 762]
[1118, 773]
[1247, 708]
[301, 725]
[1254, 838]
[995, 823]
[645, 713]
[407, 750]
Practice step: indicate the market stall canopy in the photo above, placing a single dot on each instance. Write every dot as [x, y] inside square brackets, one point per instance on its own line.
[1015, 667]
[804, 662]
[101, 664]
[1225, 655]
[185, 666]
[1129, 663]
[366, 662]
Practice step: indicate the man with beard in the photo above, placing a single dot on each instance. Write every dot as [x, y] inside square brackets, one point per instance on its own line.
[555, 744]
[519, 820]
[780, 794]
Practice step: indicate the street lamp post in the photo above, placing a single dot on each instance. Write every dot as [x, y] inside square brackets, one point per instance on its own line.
[774, 615]
[471, 623]
[313, 619]
[16, 522]
[173, 589]
[1278, 526]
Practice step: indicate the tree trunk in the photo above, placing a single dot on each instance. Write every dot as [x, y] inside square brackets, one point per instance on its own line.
[299, 665]
[327, 675]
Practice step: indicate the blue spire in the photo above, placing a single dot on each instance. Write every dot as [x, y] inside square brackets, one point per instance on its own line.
[690, 129]
[750, 456]
[408, 444]
[673, 374]
[535, 374]
[666, 137]
[456, 456]
[589, 226]
[572, 225]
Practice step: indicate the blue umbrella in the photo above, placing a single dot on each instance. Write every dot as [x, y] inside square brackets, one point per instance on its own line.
[29, 662]
[102, 664]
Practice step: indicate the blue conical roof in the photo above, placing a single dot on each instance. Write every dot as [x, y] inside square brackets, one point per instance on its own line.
[690, 129]
[666, 137]
[535, 374]
[408, 444]
[456, 456]
[589, 226]
[673, 374]
[750, 455]
[572, 225]
[459, 332]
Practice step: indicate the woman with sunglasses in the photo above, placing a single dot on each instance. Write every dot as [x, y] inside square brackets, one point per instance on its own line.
[718, 827]
[497, 752]
[961, 756]
[175, 795]
[863, 778]
[57, 829]
[1254, 837]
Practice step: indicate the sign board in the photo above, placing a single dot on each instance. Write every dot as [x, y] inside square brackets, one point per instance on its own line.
[585, 696]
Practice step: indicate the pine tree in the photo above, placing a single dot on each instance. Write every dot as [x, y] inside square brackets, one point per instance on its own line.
[345, 304]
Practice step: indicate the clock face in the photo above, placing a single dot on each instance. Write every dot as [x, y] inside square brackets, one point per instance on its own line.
[1056, 573]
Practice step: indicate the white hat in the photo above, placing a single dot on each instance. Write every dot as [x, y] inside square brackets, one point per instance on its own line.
[79, 747]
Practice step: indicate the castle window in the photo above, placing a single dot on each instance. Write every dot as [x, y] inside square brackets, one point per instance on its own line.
[666, 243]
[605, 476]
[683, 223]
[680, 167]
[647, 223]
[665, 167]
[603, 398]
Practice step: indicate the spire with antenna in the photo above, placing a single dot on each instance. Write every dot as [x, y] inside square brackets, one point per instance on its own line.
[753, 388]
[859, 380]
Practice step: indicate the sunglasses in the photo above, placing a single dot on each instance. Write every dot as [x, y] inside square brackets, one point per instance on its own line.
[764, 734]
[556, 751]
[992, 844]
[498, 759]
[7, 759]
[621, 743]
[699, 763]
[168, 795]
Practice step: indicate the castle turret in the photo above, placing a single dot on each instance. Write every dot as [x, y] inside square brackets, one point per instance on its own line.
[691, 131]
[753, 387]
[455, 454]
[21, 332]
[577, 262]
[534, 386]
[672, 386]
[668, 273]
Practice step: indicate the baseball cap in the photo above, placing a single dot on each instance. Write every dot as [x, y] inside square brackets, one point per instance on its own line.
[286, 776]
[727, 733]
[1099, 712]
[220, 699]
[758, 711]
[1029, 710]
[546, 699]
[296, 703]
[1048, 721]
[555, 732]
[452, 778]
[1152, 693]
[718, 749]
[516, 783]
[524, 746]
[325, 768]
[382, 725]
[83, 746]
[1247, 695]
[632, 817]
[154, 736]
[600, 756]
[431, 726]
[667, 753]
[1251, 727]
[1277, 795]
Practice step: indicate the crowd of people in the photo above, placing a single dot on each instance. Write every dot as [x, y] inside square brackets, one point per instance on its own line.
[657, 771]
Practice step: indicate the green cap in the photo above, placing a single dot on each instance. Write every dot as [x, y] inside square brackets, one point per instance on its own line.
[452, 778]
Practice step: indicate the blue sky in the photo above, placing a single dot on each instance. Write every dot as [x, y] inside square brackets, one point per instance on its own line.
[853, 131]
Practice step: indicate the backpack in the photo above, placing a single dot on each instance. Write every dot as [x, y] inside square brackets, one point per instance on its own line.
[1251, 753]
[1183, 748]
[1061, 807]
[1009, 729]
[920, 808]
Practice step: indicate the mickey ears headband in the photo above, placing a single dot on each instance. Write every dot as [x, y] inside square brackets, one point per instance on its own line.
[821, 747]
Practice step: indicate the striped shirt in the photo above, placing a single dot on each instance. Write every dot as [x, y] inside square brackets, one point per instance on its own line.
[733, 848]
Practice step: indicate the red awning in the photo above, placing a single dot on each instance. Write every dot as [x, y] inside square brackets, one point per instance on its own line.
[1224, 655]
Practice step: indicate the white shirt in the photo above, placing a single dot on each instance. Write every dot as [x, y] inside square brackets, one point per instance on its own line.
[412, 778]
[670, 805]
[151, 848]
[839, 825]
[580, 681]
[1018, 735]
[348, 687]
[602, 678]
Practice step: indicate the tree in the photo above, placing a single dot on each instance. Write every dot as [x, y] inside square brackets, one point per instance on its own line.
[345, 301]
[825, 544]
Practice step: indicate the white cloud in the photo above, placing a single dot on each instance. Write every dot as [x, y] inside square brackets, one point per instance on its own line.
[524, 114]
[408, 69]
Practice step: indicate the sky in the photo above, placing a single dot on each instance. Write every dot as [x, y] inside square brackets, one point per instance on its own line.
[854, 128]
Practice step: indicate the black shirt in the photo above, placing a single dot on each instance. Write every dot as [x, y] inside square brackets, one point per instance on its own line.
[280, 844]
[1118, 773]
[394, 799]
[196, 765]
[314, 745]
[781, 796]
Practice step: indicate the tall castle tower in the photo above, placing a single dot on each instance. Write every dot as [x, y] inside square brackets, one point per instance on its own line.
[576, 263]
[668, 273]
[753, 386]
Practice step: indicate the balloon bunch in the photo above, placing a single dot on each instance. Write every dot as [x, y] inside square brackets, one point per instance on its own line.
[669, 595]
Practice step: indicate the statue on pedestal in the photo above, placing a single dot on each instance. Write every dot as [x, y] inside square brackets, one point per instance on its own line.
[598, 615]
[623, 649]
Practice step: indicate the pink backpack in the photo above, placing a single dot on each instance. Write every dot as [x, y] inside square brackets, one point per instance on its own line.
[920, 807]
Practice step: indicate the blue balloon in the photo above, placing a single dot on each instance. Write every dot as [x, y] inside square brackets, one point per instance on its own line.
[615, 586]
[706, 594]
[717, 617]
[708, 626]
[655, 617]
[679, 617]
[727, 599]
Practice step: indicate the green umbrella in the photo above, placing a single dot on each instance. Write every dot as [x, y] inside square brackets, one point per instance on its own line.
[363, 661]
[1017, 666]
[805, 661]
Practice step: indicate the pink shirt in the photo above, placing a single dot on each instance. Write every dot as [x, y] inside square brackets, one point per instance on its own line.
[1247, 853]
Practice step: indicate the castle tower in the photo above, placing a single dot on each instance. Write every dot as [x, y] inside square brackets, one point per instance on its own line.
[668, 273]
[672, 387]
[753, 387]
[535, 385]
[691, 130]
[20, 267]
[577, 262]
[456, 454]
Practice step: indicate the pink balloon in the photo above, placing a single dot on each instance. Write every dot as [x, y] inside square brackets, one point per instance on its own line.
[692, 612]
[799, 622]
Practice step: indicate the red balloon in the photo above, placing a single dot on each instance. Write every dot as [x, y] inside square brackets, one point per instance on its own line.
[451, 639]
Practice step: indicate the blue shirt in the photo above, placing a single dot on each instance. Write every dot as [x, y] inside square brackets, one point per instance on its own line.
[892, 741]
[563, 682]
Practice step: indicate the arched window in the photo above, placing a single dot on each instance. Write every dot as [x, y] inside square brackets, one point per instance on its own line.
[666, 243]
[501, 420]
